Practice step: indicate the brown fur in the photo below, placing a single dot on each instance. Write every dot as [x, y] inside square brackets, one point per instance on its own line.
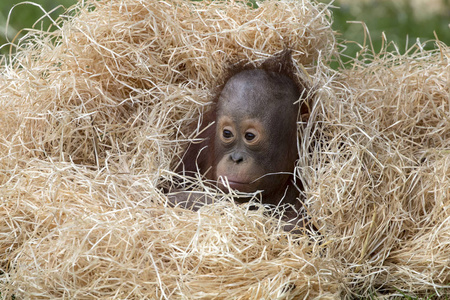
[206, 156]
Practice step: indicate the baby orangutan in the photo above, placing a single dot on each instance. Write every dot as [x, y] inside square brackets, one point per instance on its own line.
[252, 145]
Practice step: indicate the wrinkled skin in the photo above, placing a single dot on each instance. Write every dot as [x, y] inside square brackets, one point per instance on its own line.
[252, 146]
[256, 134]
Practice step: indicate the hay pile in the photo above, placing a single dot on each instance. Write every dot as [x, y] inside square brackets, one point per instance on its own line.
[380, 186]
[95, 114]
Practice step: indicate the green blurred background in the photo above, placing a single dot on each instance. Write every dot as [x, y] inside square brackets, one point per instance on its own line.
[396, 18]
[22, 16]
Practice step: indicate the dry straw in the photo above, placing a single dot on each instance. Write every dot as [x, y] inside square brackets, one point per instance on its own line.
[95, 114]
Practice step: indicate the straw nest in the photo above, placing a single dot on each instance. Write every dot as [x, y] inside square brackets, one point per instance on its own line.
[95, 114]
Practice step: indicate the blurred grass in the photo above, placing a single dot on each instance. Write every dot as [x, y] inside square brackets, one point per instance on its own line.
[404, 22]
[25, 15]
[401, 20]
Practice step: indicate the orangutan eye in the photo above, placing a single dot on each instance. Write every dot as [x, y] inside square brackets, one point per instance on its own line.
[227, 134]
[249, 136]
